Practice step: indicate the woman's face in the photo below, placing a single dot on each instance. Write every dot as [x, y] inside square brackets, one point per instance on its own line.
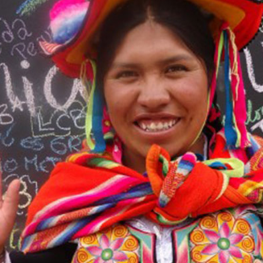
[156, 91]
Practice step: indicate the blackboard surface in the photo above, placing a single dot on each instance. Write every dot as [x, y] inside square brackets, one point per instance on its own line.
[42, 112]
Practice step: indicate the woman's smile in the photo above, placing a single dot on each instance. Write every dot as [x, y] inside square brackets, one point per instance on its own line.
[156, 123]
[156, 126]
[156, 92]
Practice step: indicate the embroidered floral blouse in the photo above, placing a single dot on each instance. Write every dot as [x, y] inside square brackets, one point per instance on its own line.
[228, 236]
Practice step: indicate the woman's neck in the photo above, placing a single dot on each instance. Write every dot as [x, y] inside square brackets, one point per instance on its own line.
[137, 162]
[134, 161]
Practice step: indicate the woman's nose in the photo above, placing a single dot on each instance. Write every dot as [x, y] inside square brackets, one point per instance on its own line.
[153, 94]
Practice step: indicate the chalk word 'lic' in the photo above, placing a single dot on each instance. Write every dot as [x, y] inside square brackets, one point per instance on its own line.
[17, 104]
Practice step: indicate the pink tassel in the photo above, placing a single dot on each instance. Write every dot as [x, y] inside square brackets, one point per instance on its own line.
[214, 79]
[238, 93]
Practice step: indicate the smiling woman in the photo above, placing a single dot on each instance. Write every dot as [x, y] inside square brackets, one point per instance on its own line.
[156, 92]
[159, 179]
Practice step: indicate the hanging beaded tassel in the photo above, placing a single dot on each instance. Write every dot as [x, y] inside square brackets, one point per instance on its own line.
[230, 131]
[238, 91]
[238, 137]
[235, 129]
[217, 61]
[94, 117]
[213, 114]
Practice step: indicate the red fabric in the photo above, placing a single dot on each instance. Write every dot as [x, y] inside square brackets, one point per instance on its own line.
[244, 32]
[69, 179]
[197, 195]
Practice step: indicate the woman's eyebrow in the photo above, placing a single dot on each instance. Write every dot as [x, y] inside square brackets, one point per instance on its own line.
[123, 65]
[165, 61]
[177, 58]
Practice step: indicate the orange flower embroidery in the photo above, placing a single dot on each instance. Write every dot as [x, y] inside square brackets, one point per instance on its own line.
[115, 244]
[222, 238]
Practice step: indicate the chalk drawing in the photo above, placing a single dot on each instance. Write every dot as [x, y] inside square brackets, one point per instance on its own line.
[43, 165]
[253, 115]
[5, 118]
[21, 34]
[19, 48]
[250, 70]
[13, 99]
[6, 139]
[16, 103]
[29, 96]
[258, 125]
[25, 64]
[25, 197]
[37, 165]
[29, 6]
[58, 147]
[74, 144]
[60, 123]
[22, 31]
[48, 91]
[7, 35]
[34, 144]
[33, 161]
[10, 165]
[79, 116]
[44, 126]
[15, 235]
[31, 49]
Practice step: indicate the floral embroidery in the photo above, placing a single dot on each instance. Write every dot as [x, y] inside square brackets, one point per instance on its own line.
[222, 238]
[112, 245]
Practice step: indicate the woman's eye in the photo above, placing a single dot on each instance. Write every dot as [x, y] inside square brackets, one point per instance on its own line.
[176, 68]
[127, 74]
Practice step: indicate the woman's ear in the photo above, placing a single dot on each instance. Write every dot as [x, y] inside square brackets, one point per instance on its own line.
[106, 123]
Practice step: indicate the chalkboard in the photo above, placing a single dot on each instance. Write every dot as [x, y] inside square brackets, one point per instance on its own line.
[42, 112]
[252, 60]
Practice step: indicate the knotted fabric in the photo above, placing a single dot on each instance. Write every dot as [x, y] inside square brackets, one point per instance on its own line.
[91, 192]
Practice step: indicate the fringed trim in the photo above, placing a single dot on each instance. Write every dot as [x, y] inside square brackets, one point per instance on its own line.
[217, 61]
[238, 93]
[94, 131]
[235, 129]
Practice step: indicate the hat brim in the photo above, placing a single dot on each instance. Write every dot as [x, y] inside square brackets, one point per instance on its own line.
[243, 16]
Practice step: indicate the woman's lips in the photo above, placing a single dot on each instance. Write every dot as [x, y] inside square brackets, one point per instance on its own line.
[157, 125]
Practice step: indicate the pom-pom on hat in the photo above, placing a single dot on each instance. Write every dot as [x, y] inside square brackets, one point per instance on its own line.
[66, 19]
[75, 25]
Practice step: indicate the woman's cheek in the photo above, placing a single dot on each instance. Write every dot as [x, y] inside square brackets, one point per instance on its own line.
[194, 90]
[118, 101]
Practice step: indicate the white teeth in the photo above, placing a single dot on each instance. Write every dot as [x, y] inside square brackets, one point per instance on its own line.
[152, 127]
[161, 126]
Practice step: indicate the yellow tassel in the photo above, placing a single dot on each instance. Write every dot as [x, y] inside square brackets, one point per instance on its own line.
[234, 70]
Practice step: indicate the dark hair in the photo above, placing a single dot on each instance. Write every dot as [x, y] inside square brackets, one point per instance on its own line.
[180, 16]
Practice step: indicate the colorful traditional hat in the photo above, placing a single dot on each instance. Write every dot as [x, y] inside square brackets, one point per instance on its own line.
[75, 26]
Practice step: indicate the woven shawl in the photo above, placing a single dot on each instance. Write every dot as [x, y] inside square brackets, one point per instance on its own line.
[91, 192]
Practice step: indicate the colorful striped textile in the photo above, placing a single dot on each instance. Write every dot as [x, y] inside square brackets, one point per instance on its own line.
[91, 192]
